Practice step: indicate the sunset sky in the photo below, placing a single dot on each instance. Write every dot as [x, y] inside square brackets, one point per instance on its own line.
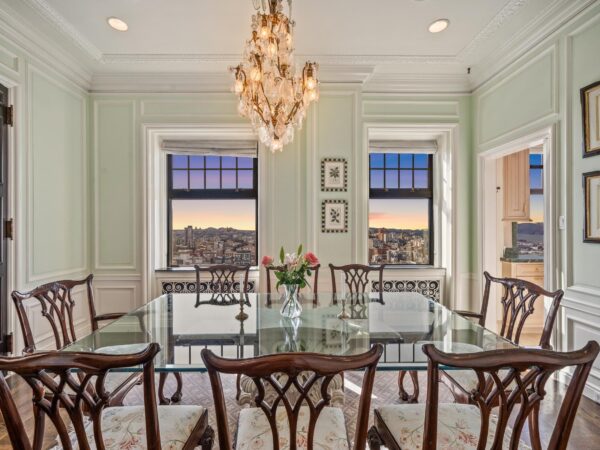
[536, 208]
[238, 214]
[407, 214]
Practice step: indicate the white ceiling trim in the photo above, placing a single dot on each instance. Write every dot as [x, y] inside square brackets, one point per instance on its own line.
[509, 10]
[41, 50]
[530, 36]
[59, 22]
[418, 83]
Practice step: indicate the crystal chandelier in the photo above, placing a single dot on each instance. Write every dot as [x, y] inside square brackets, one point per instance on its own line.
[271, 95]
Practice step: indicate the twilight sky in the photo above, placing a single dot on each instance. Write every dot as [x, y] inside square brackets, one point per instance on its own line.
[407, 214]
[238, 214]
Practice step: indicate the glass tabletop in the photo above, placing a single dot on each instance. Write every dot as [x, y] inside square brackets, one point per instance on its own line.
[247, 325]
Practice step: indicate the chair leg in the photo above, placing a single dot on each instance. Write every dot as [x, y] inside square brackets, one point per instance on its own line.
[176, 397]
[208, 439]
[405, 396]
[374, 439]
[534, 427]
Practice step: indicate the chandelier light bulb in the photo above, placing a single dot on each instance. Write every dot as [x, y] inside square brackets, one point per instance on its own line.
[264, 29]
[311, 83]
[312, 95]
[255, 74]
[272, 49]
[238, 87]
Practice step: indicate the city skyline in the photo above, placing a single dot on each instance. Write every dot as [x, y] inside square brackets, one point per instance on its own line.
[238, 214]
[405, 214]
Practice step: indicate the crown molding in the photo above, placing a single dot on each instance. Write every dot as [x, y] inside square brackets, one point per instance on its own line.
[542, 27]
[418, 83]
[507, 12]
[38, 48]
[62, 25]
[135, 82]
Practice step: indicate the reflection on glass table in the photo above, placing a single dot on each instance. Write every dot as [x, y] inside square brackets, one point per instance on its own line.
[247, 325]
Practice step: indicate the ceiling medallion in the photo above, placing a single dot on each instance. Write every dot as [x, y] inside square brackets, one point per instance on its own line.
[271, 95]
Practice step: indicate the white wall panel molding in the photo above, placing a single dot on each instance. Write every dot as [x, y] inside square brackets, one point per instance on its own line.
[494, 98]
[110, 223]
[71, 209]
[9, 61]
[418, 83]
[208, 106]
[117, 296]
[395, 106]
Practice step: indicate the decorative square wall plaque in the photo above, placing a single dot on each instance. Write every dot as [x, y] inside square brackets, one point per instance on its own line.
[591, 188]
[590, 104]
[334, 175]
[334, 216]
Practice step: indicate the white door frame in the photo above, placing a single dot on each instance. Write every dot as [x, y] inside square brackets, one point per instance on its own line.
[487, 223]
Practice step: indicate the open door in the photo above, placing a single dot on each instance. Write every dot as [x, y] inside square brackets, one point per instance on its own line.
[5, 227]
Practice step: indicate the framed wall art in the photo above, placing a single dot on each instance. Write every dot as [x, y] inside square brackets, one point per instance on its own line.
[334, 216]
[591, 188]
[590, 105]
[334, 175]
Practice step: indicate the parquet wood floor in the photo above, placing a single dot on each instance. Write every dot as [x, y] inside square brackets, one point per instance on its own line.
[585, 435]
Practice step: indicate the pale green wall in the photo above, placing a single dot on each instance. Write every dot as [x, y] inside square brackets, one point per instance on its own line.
[291, 192]
[542, 89]
[49, 164]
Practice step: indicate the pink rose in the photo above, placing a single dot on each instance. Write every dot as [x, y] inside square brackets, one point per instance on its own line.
[311, 258]
[267, 260]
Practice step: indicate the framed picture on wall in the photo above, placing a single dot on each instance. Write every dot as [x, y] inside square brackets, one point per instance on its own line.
[334, 175]
[591, 188]
[334, 216]
[590, 104]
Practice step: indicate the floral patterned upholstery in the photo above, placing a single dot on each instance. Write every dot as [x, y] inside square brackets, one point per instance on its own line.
[254, 431]
[458, 426]
[124, 427]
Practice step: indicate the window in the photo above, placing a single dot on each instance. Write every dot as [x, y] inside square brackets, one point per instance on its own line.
[400, 208]
[212, 206]
[530, 236]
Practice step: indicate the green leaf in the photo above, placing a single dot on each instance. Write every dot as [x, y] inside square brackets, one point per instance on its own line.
[282, 254]
[299, 252]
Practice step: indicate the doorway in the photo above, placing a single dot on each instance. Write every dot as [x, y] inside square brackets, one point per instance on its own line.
[517, 219]
[4, 111]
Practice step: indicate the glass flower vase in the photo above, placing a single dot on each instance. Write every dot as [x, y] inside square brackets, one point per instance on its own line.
[291, 304]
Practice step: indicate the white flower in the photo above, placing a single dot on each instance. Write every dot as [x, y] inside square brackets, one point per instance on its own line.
[290, 259]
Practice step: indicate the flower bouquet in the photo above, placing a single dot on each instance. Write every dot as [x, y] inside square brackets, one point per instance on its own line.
[292, 272]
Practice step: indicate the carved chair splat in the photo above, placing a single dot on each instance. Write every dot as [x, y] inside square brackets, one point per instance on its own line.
[518, 377]
[280, 412]
[84, 374]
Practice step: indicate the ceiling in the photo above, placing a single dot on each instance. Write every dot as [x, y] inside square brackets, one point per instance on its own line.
[384, 36]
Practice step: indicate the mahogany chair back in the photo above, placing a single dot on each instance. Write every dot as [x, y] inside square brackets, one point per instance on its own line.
[519, 300]
[266, 371]
[84, 375]
[314, 284]
[224, 278]
[529, 370]
[356, 277]
[57, 307]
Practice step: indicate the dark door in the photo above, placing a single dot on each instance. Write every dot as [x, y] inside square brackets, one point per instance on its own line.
[4, 121]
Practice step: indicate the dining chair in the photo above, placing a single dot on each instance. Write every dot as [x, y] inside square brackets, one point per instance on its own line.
[474, 426]
[356, 277]
[314, 284]
[291, 416]
[57, 305]
[90, 422]
[519, 300]
[221, 279]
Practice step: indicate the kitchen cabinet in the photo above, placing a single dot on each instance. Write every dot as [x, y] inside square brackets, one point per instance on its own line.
[516, 189]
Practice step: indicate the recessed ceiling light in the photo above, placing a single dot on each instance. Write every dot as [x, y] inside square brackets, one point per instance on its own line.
[117, 24]
[439, 25]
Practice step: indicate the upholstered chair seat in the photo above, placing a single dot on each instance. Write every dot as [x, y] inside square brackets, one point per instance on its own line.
[254, 431]
[458, 426]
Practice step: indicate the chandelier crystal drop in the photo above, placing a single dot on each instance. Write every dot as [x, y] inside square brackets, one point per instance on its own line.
[271, 95]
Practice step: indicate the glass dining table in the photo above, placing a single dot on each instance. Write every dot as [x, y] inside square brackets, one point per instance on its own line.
[248, 325]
